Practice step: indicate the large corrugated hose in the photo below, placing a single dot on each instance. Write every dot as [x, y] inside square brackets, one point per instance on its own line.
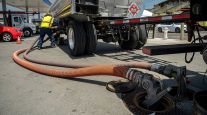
[118, 70]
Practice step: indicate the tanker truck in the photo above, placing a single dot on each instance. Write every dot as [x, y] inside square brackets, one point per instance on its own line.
[86, 21]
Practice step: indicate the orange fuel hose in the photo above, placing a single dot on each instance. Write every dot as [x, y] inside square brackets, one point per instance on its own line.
[53, 63]
[119, 70]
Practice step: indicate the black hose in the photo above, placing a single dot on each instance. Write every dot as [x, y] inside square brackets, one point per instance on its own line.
[194, 41]
[186, 54]
[191, 59]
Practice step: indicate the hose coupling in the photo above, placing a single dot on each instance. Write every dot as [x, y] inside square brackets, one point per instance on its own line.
[134, 75]
[148, 82]
[144, 80]
[157, 68]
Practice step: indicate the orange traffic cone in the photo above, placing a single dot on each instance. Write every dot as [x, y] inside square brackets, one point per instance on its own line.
[19, 40]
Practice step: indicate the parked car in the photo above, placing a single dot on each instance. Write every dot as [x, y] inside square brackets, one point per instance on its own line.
[171, 27]
[9, 33]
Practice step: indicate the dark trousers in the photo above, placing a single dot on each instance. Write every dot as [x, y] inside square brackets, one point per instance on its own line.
[43, 32]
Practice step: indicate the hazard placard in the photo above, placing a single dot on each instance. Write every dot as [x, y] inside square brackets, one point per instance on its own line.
[134, 9]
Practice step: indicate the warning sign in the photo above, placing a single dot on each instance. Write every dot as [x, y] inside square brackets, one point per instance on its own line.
[134, 9]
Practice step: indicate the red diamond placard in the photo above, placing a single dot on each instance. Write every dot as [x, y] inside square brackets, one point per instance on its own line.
[133, 9]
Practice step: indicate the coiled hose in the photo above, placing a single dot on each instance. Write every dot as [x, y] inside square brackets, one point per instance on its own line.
[118, 70]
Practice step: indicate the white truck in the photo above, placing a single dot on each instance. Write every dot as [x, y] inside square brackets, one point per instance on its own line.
[20, 21]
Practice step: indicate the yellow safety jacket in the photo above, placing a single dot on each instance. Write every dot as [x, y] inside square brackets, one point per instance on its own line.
[203, 23]
[46, 22]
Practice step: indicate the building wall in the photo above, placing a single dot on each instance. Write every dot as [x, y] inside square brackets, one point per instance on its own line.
[170, 7]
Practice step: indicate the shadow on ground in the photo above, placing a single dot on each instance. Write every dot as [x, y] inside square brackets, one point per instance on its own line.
[115, 52]
[65, 49]
[95, 82]
[197, 79]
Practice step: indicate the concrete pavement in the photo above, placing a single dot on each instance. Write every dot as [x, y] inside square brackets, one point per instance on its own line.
[24, 92]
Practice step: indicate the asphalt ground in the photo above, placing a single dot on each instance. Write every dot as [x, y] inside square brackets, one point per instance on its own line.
[23, 92]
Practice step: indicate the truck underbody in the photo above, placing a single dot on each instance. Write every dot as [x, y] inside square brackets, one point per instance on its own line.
[84, 24]
[85, 21]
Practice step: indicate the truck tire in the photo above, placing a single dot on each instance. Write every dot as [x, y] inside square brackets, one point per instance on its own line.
[177, 30]
[27, 32]
[91, 38]
[159, 29]
[76, 38]
[142, 36]
[138, 38]
[131, 43]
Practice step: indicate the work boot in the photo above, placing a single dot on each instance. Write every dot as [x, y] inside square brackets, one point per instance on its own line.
[53, 45]
[39, 47]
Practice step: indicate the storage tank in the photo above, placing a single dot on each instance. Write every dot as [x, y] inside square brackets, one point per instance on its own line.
[103, 8]
[120, 8]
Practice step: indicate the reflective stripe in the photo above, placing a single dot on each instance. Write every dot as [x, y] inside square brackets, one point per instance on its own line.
[156, 19]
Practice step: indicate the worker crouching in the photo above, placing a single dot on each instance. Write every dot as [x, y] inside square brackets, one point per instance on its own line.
[46, 28]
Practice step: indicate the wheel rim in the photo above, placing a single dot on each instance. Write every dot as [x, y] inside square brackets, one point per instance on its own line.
[6, 37]
[26, 32]
[177, 30]
[159, 29]
[71, 40]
